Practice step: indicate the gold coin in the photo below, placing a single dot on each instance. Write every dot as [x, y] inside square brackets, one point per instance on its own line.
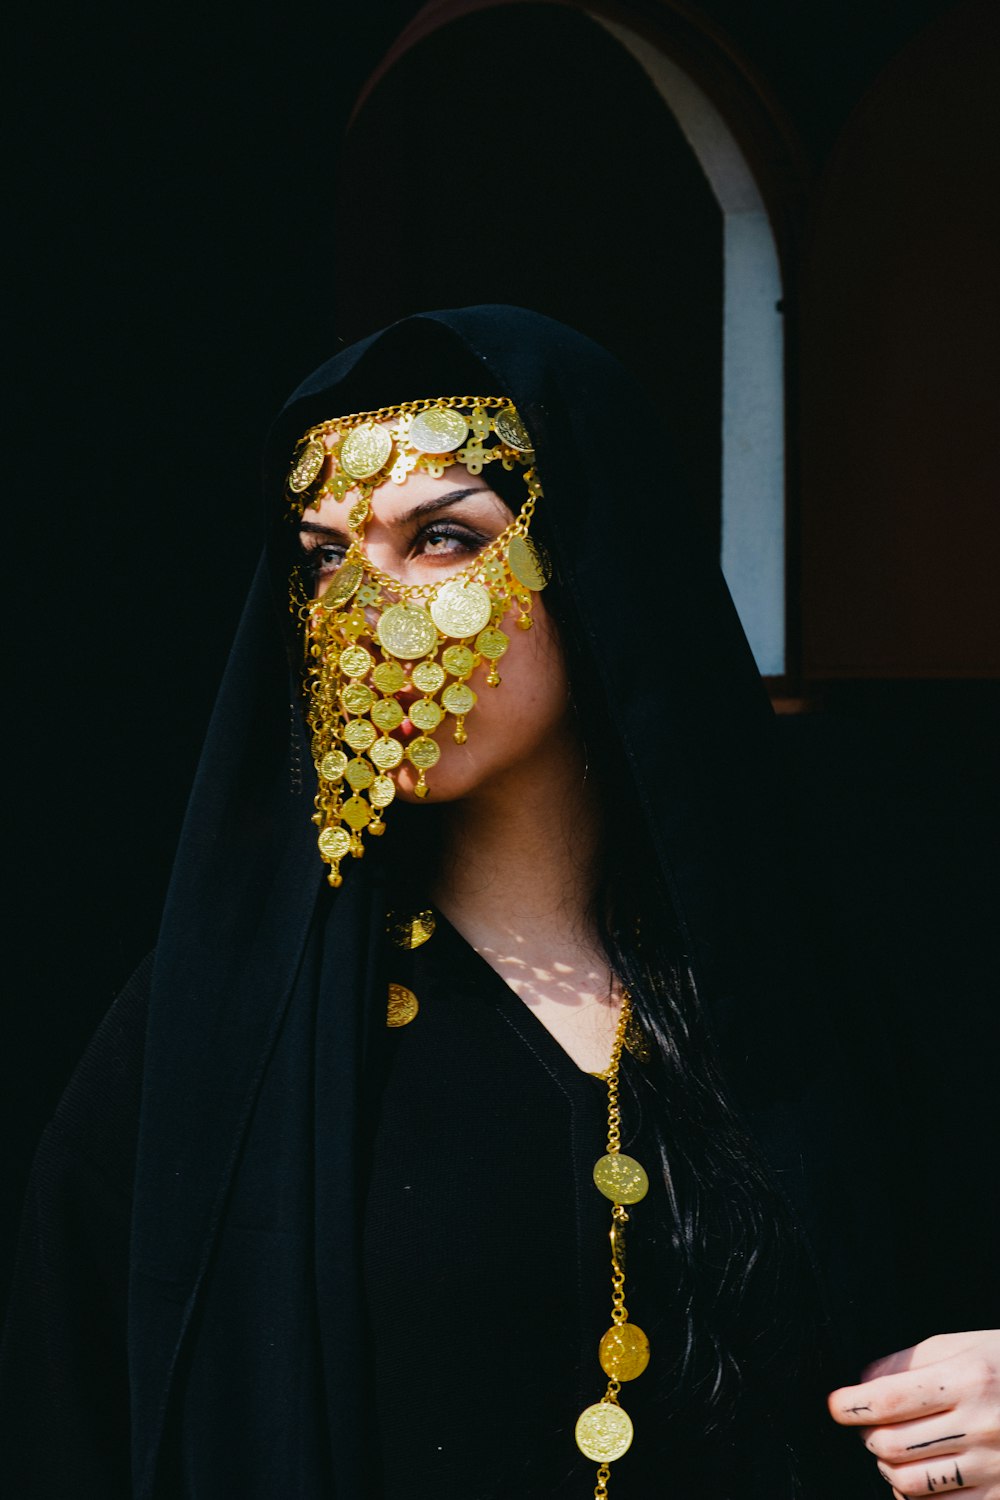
[423, 753]
[427, 676]
[382, 791]
[358, 514]
[359, 734]
[343, 584]
[604, 1432]
[356, 812]
[458, 698]
[356, 698]
[387, 714]
[511, 430]
[461, 607]
[333, 765]
[412, 932]
[386, 754]
[624, 1351]
[308, 462]
[334, 842]
[389, 677]
[458, 660]
[492, 643]
[365, 451]
[407, 630]
[621, 1178]
[528, 562]
[439, 429]
[425, 714]
[403, 1005]
[359, 774]
[355, 661]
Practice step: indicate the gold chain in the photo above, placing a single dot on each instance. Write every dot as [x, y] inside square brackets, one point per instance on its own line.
[405, 409]
[604, 1430]
[517, 527]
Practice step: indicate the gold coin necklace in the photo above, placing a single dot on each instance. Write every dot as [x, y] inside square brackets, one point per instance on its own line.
[604, 1430]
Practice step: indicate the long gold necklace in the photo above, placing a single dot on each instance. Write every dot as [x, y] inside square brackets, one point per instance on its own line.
[604, 1430]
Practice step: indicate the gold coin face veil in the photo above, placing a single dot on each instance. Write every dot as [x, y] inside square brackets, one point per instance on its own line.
[372, 643]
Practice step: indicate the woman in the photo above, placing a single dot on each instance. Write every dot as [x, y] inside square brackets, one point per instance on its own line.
[372, 1260]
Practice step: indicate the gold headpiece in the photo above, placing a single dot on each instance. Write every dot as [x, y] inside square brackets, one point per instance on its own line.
[371, 638]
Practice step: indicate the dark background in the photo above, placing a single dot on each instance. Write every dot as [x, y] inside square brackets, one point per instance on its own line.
[186, 239]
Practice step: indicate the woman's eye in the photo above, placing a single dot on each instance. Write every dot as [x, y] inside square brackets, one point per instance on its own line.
[448, 541]
[324, 558]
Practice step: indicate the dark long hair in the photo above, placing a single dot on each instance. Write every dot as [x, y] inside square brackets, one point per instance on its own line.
[732, 1250]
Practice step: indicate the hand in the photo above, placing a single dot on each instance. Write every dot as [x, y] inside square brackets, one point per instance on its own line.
[931, 1415]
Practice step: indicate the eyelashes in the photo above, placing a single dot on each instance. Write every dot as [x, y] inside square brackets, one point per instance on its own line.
[446, 541]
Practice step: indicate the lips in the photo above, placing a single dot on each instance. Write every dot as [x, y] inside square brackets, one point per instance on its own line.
[406, 730]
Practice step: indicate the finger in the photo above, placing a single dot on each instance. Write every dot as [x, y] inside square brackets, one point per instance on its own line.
[912, 1442]
[940, 1476]
[929, 1351]
[890, 1398]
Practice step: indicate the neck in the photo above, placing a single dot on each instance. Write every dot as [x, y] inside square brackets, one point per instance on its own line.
[517, 880]
[518, 857]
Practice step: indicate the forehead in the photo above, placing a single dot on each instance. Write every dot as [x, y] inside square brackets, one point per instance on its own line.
[392, 503]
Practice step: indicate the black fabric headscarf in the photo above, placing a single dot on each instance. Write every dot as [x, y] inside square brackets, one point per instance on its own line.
[247, 1331]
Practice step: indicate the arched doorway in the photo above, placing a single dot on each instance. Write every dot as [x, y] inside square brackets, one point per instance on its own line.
[571, 160]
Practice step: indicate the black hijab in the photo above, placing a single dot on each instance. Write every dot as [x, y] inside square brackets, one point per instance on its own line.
[247, 1331]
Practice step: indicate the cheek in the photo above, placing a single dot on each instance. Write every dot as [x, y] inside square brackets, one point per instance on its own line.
[510, 722]
[534, 691]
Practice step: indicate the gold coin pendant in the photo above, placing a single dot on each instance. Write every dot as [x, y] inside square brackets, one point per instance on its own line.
[461, 607]
[355, 661]
[306, 467]
[425, 714]
[364, 451]
[386, 754]
[334, 842]
[528, 562]
[333, 765]
[358, 514]
[359, 774]
[423, 753]
[359, 734]
[356, 698]
[383, 789]
[604, 1432]
[427, 676]
[621, 1178]
[344, 583]
[387, 714]
[439, 429]
[407, 631]
[458, 660]
[624, 1351]
[403, 1005]
[458, 698]
[389, 677]
[492, 643]
[356, 812]
[511, 430]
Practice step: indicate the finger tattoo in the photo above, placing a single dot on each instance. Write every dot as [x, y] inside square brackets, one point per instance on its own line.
[951, 1438]
[945, 1479]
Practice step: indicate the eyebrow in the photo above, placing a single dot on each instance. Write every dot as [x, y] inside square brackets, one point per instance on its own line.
[425, 508]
